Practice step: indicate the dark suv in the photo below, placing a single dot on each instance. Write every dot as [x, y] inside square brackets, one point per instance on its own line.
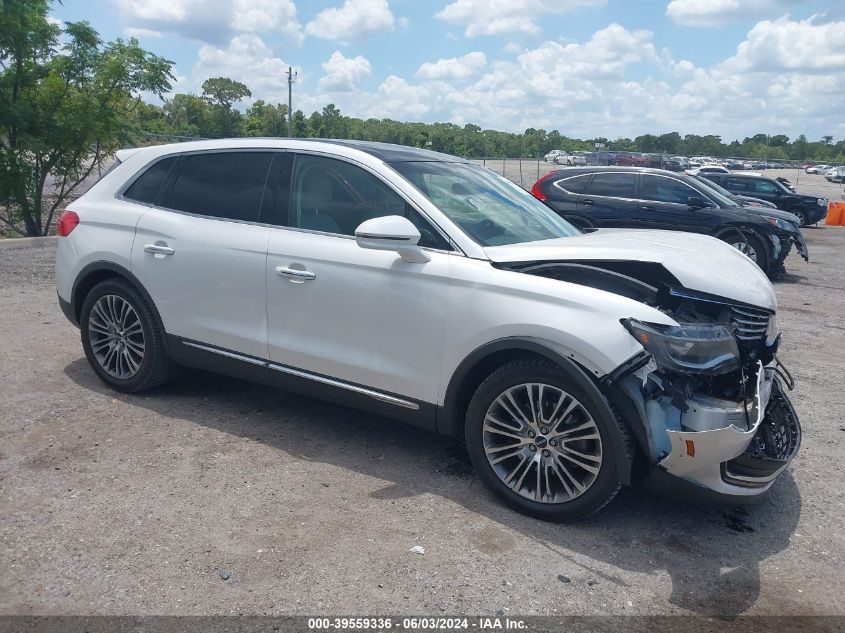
[809, 209]
[642, 198]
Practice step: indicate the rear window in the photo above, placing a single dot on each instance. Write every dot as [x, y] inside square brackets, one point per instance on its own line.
[148, 185]
[225, 185]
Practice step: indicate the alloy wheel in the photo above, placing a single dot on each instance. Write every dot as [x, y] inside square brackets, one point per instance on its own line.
[746, 248]
[542, 443]
[116, 336]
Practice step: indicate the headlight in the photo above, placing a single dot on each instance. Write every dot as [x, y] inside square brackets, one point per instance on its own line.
[693, 348]
[781, 224]
[822, 202]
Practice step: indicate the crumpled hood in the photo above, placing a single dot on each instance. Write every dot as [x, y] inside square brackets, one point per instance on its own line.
[699, 262]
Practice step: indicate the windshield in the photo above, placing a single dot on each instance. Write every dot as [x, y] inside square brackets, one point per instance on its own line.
[719, 189]
[489, 208]
[705, 186]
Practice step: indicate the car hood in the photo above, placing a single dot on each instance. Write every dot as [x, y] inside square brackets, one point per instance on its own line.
[772, 213]
[699, 262]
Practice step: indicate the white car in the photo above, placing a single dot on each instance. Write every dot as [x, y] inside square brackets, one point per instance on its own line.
[816, 169]
[424, 288]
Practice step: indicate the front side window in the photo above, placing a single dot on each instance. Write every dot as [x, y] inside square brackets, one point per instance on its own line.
[764, 186]
[148, 185]
[226, 185]
[614, 185]
[660, 189]
[333, 196]
[490, 209]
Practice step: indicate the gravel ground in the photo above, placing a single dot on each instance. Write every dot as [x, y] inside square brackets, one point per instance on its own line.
[213, 496]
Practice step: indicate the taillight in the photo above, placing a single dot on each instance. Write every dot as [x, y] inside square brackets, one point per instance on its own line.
[535, 190]
[67, 222]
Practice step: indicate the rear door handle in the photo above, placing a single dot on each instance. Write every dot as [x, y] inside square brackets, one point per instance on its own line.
[159, 250]
[295, 274]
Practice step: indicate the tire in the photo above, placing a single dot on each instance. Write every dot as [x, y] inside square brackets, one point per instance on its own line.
[802, 217]
[750, 245]
[588, 426]
[123, 339]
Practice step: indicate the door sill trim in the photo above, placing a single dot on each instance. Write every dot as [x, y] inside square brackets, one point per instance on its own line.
[332, 382]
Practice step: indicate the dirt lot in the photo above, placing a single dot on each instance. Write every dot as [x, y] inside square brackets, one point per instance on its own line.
[115, 504]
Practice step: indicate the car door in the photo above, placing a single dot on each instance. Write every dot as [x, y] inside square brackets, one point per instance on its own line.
[664, 205]
[201, 252]
[765, 190]
[611, 200]
[357, 318]
[564, 196]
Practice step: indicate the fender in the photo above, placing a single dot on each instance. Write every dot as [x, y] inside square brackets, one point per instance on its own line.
[77, 297]
[466, 378]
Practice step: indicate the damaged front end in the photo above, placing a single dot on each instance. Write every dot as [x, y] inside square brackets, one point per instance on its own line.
[710, 394]
[706, 398]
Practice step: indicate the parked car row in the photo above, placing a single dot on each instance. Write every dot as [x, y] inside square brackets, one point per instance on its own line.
[425, 288]
[629, 197]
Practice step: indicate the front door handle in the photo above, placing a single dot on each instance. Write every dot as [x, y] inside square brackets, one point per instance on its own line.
[158, 249]
[588, 203]
[295, 274]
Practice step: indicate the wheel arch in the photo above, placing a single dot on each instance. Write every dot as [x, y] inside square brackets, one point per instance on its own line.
[483, 361]
[99, 271]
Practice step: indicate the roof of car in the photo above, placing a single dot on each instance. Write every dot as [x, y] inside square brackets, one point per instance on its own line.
[591, 169]
[386, 152]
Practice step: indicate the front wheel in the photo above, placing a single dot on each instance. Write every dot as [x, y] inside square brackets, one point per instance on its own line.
[802, 217]
[754, 248]
[543, 444]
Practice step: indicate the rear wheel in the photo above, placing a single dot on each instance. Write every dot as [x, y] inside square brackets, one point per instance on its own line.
[122, 338]
[543, 444]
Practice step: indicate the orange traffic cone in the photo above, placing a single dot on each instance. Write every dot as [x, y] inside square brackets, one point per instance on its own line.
[835, 214]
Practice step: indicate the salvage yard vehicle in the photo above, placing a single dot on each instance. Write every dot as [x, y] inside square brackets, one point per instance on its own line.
[421, 287]
[629, 197]
[808, 209]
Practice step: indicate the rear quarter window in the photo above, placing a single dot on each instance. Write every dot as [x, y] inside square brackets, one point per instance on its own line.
[147, 186]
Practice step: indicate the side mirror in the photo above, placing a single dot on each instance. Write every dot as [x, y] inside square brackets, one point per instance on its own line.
[392, 233]
[695, 202]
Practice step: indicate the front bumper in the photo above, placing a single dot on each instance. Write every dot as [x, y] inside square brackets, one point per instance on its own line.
[732, 462]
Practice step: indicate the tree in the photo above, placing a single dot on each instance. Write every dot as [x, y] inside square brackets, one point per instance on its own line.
[223, 93]
[62, 109]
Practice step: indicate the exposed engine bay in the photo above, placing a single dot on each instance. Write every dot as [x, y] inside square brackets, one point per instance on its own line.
[706, 398]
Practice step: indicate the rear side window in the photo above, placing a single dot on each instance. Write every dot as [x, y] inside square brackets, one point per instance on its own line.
[148, 185]
[578, 184]
[660, 189]
[225, 185]
[736, 184]
[614, 185]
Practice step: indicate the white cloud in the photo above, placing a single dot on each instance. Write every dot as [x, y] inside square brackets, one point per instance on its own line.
[140, 33]
[352, 20]
[795, 46]
[247, 59]
[212, 21]
[462, 67]
[344, 74]
[718, 12]
[494, 17]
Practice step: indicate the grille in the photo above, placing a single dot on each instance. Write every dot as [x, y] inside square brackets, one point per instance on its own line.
[751, 325]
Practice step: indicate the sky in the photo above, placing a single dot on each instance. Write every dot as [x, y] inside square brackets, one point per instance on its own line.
[587, 68]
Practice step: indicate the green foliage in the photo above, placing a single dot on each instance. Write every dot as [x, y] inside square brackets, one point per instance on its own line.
[63, 108]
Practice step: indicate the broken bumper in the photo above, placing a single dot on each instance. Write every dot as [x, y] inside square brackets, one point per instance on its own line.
[734, 462]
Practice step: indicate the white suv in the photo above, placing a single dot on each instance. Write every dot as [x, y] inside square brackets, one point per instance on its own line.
[425, 288]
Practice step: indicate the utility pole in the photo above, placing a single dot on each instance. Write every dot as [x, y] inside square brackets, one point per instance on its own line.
[291, 78]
